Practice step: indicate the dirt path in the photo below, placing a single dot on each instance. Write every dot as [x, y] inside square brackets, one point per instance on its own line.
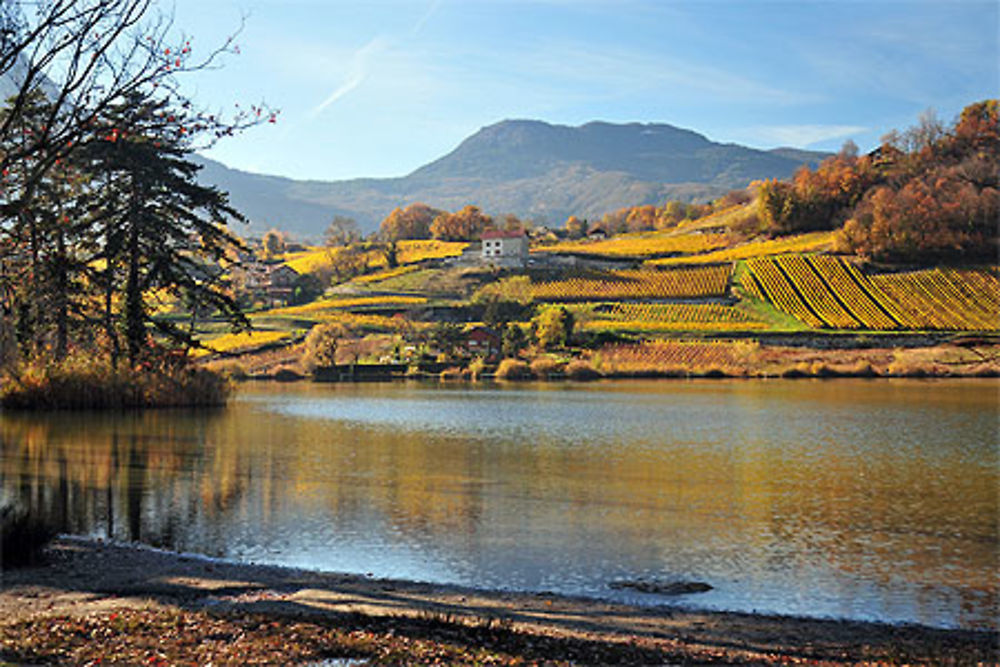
[85, 579]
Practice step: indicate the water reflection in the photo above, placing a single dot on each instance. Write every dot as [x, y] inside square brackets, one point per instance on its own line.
[859, 499]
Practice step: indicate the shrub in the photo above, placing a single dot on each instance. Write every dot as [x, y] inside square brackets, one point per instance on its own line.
[88, 382]
[22, 538]
[543, 367]
[984, 370]
[233, 370]
[799, 370]
[322, 343]
[513, 369]
[451, 373]
[476, 368]
[286, 374]
[580, 370]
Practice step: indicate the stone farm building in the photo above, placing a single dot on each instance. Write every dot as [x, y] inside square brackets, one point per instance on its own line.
[272, 283]
[505, 248]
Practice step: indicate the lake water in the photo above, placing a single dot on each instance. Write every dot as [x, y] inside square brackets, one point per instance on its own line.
[868, 499]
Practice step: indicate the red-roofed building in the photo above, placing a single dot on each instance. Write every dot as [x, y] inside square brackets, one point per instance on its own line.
[482, 342]
[505, 248]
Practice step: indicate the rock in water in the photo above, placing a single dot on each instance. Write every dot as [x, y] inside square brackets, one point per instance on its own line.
[656, 587]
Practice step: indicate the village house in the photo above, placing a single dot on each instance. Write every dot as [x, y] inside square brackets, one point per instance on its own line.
[272, 283]
[505, 248]
[597, 234]
[482, 342]
[281, 283]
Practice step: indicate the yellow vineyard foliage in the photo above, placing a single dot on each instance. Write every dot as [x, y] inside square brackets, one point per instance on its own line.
[408, 252]
[418, 251]
[814, 242]
[243, 341]
[671, 317]
[641, 284]
[829, 292]
[674, 356]
[643, 245]
[385, 275]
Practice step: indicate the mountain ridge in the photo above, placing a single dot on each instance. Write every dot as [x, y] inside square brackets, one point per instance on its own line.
[531, 168]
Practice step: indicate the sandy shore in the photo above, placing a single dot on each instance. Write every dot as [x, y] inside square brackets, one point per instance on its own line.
[92, 583]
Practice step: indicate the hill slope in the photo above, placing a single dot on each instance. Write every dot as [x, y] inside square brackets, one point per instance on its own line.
[529, 168]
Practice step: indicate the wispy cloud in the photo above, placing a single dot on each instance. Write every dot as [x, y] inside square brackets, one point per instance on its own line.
[624, 70]
[425, 17]
[358, 70]
[802, 136]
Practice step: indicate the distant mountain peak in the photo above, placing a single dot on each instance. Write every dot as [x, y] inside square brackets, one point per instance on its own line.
[531, 168]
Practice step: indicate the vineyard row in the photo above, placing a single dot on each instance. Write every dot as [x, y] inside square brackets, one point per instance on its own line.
[828, 292]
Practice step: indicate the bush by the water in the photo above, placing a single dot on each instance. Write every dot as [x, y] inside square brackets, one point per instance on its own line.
[86, 383]
[513, 369]
[22, 538]
[544, 367]
[578, 369]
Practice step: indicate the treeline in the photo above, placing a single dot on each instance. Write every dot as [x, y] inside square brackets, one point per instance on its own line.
[420, 221]
[925, 195]
[649, 217]
[102, 219]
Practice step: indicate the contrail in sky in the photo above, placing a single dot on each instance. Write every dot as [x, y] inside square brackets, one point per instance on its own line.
[358, 72]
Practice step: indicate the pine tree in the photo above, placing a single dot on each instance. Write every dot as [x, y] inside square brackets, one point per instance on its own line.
[164, 231]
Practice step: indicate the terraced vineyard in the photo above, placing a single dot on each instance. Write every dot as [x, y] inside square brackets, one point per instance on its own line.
[379, 276]
[667, 355]
[346, 303]
[408, 252]
[669, 317]
[813, 242]
[643, 245]
[699, 282]
[420, 250]
[967, 300]
[828, 292]
[232, 343]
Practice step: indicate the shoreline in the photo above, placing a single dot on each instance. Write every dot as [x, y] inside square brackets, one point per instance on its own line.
[92, 581]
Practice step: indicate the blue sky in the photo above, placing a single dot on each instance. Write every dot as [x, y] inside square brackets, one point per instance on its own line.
[380, 87]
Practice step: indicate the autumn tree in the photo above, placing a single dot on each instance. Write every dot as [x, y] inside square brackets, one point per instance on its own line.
[84, 56]
[939, 194]
[575, 227]
[323, 341]
[273, 244]
[412, 222]
[465, 225]
[512, 340]
[73, 160]
[447, 338]
[505, 300]
[815, 199]
[641, 218]
[614, 222]
[737, 197]
[44, 259]
[349, 261]
[672, 213]
[553, 327]
[511, 223]
[341, 231]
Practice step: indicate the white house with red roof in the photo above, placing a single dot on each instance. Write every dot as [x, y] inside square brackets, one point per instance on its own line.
[505, 247]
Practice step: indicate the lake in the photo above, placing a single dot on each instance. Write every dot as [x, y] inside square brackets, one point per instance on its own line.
[863, 499]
